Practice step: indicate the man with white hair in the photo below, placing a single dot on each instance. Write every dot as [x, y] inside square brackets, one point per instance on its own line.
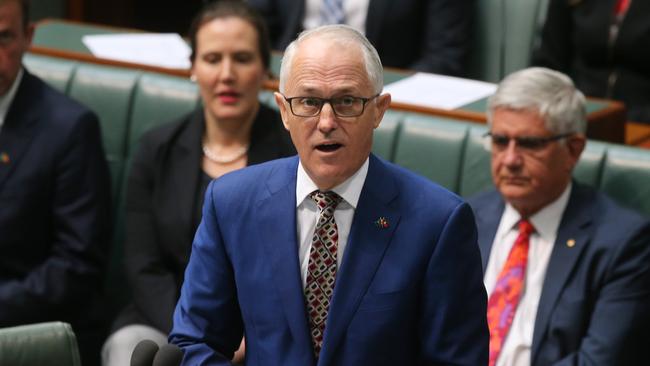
[567, 270]
[334, 257]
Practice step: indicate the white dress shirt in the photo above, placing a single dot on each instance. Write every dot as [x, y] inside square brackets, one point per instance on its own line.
[517, 346]
[5, 100]
[356, 12]
[307, 213]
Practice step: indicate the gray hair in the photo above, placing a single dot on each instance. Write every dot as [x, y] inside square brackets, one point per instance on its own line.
[343, 34]
[549, 93]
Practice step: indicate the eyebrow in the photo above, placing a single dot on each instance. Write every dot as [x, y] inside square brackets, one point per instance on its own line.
[344, 91]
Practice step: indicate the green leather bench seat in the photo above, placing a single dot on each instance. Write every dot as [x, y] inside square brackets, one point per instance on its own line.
[451, 152]
[52, 343]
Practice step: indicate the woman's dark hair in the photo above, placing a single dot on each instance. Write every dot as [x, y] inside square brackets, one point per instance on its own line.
[232, 8]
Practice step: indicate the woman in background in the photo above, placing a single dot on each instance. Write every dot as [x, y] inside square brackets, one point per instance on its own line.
[604, 45]
[175, 162]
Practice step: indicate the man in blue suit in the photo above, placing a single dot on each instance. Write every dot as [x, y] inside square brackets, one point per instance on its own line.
[334, 257]
[54, 198]
[586, 283]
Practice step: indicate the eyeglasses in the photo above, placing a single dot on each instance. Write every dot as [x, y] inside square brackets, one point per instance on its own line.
[346, 106]
[528, 143]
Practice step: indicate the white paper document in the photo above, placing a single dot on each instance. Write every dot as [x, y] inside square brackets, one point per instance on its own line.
[167, 50]
[438, 91]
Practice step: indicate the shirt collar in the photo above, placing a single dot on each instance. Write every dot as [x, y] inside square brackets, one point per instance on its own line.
[5, 100]
[349, 190]
[546, 221]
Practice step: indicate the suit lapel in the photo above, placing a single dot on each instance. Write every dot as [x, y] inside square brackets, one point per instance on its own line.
[277, 228]
[487, 221]
[20, 124]
[576, 226]
[367, 244]
[185, 167]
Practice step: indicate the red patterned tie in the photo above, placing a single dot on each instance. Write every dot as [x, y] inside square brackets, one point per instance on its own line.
[321, 271]
[503, 301]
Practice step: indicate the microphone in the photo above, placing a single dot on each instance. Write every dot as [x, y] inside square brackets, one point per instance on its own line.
[143, 354]
[168, 355]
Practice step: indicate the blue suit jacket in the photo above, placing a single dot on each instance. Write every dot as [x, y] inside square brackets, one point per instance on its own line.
[425, 35]
[595, 303]
[408, 294]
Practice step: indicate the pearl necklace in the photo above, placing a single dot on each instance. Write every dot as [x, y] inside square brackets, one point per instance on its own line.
[220, 159]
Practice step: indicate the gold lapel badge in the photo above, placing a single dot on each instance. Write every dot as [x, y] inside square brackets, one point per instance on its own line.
[570, 243]
[4, 158]
[382, 223]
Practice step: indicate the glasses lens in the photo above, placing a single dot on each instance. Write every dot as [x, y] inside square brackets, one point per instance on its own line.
[347, 106]
[500, 141]
[306, 106]
[532, 143]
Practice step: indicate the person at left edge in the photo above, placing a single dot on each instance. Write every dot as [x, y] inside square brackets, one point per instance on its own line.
[170, 172]
[402, 250]
[55, 216]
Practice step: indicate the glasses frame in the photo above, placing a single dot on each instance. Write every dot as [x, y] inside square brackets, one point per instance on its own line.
[526, 143]
[330, 100]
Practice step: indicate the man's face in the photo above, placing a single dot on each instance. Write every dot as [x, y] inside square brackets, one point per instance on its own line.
[331, 148]
[15, 38]
[530, 177]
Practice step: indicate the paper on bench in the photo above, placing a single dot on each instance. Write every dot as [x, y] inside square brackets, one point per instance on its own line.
[155, 49]
[438, 91]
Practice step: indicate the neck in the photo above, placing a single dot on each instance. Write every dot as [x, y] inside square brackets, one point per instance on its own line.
[228, 132]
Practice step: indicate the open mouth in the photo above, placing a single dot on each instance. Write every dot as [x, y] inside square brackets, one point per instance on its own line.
[328, 147]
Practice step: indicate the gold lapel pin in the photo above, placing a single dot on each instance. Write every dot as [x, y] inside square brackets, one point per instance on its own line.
[4, 158]
[570, 243]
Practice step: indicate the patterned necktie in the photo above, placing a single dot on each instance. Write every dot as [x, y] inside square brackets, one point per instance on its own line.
[321, 271]
[332, 12]
[502, 304]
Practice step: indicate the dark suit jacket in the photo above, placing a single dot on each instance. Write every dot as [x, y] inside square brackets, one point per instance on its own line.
[408, 294]
[162, 213]
[54, 209]
[425, 35]
[575, 41]
[595, 302]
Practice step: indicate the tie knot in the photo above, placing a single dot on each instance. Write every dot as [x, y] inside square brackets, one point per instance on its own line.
[525, 227]
[325, 200]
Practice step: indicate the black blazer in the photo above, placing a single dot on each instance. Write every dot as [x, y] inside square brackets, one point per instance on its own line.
[54, 210]
[425, 35]
[575, 41]
[162, 213]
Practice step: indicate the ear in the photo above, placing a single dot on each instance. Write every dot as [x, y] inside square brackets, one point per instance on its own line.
[576, 145]
[382, 102]
[279, 100]
[29, 35]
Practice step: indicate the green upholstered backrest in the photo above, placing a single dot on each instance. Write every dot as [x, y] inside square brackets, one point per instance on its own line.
[52, 343]
[626, 176]
[56, 72]
[590, 166]
[432, 147]
[384, 137]
[475, 170]
[521, 29]
[505, 33]
[159, 99]
[486, 53]
[108, 92]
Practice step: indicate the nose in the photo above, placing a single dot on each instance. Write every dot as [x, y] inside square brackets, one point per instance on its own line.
[227, 72]
[511, 155]
[327, 119]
